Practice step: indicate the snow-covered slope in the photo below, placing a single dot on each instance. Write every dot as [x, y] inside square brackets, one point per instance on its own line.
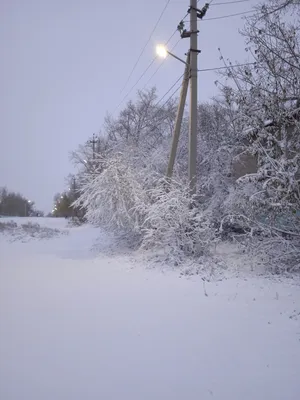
[78, 324]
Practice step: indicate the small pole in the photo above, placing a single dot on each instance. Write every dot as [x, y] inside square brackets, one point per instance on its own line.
[179, 116]
[94, 142]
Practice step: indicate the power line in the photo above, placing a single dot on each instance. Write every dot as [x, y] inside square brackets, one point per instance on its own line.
[138, 82]
[161, 108]
[169, 90]
[171, 37]
[128, 93]
[230, 2]
[228, 67]
[175, 91]
[220, 3]
[154, 73]
[227, 16]
[169, 98]
[143, 49]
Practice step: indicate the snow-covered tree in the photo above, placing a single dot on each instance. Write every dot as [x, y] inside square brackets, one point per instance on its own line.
[267, 102]
[114, 197]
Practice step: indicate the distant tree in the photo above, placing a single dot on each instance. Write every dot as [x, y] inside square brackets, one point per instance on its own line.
[14, 204]
[62, 205]
[64, 202]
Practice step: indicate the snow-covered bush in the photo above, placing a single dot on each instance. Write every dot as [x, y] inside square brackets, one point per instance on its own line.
[161, 216]
[115, 197]
[279, 255]
[173, 226]
[271, 235]
[28, 231]
[7, 226]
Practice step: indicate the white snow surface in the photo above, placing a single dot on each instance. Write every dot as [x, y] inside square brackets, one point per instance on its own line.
[80, 324]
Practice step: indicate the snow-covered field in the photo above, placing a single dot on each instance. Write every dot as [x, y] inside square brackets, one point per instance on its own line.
[79, 324]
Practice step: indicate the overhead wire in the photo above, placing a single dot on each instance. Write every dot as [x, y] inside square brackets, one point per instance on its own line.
[200, 70]
[223, 3]
[227, 16]
[209, 3]
[147, 42]
[169, 90]
[230, 2]
[136, 83]
[168, 99]
[226, 67]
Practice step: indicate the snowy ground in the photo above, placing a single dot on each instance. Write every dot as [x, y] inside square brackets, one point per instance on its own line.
[79, 324]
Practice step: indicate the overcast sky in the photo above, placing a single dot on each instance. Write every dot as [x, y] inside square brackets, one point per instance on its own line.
[64, 63]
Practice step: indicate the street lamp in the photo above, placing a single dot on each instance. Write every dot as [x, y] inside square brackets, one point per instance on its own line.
[163, 52]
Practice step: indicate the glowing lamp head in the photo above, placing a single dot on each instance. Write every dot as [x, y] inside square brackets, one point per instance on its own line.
[161, 51]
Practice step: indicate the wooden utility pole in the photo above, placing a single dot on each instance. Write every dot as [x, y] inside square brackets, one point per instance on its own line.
[179, 116]
[191, 73]
[192, 168]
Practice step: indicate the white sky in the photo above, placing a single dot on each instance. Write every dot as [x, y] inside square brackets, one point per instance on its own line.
[63, 64]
